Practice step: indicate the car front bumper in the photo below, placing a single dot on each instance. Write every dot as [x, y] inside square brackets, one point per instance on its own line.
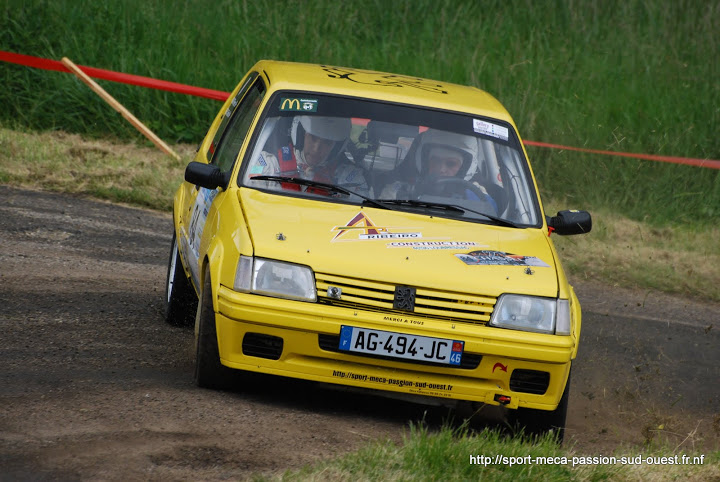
[299, 338]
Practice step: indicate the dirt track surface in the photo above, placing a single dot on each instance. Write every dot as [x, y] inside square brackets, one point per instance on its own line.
[94, 385]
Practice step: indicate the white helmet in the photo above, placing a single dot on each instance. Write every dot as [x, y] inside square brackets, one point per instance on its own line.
[466, 146]
[331, 128]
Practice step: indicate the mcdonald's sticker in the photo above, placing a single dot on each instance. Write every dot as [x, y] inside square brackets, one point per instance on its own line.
[298, 105]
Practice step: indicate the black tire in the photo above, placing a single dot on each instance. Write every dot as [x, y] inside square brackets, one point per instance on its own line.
[209, 372]
[180, 298]
[537, 423]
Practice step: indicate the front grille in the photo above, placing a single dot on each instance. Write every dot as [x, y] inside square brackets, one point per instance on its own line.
[262, 346]
[529, 381]
[469, 361]
[376, 296]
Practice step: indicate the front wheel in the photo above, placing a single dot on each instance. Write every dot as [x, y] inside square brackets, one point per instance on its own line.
[539, 422]
[209, 372]
[180, 298]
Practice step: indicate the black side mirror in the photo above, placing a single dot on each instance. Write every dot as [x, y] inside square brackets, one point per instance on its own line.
[570, 222]
[206, 175]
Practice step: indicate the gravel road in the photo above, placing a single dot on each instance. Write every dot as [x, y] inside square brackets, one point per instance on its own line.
[94, 385]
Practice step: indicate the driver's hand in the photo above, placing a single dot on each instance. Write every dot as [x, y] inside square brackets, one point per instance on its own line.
[481, 187]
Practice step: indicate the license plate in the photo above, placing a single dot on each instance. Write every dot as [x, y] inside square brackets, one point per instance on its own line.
[400, 345]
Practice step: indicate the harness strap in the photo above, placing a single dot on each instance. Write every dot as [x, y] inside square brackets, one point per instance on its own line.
[288, 167]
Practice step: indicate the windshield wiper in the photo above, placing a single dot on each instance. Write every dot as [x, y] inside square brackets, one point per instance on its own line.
[449, 207]
[424, 204]
[323, 185]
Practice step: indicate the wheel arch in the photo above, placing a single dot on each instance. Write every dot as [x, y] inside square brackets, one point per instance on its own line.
[576, 317]
[213, 260]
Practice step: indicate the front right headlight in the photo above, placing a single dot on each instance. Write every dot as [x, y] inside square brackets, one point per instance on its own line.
[531, 313]
[275, 278]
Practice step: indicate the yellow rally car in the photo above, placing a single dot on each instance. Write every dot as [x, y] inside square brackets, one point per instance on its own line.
[374, 230]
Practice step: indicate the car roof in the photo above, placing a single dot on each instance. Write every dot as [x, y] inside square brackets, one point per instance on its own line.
[380, 85]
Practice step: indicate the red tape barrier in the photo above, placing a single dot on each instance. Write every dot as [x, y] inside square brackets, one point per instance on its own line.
[648, 157]
[46, 64]
[41, 63]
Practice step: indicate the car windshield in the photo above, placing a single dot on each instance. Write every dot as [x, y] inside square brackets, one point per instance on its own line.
[397, 156]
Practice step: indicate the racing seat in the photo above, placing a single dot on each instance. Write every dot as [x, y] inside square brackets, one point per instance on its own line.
[385, 151]
[280, 136]
[405, 170]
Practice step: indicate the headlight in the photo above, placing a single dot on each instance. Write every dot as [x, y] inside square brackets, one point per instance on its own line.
[528, 313]
[275, 278]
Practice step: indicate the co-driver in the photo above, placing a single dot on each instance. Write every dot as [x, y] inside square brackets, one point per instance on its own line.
[317, 152]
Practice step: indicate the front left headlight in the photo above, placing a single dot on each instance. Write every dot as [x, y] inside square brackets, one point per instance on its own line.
[275, 278]
[530, 313]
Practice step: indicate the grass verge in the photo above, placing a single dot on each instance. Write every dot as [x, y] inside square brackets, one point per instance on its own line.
[683, 260]
[114, 171]
[459, 454]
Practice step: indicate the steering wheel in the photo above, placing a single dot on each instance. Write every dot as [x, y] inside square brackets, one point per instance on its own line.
[460, 184]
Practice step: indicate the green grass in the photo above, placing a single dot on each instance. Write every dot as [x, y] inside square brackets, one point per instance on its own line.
[634, 76]
[454, 454]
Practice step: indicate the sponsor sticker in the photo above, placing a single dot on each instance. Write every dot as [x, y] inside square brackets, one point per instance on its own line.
[499, 258]
[201, 209]
[413, 386]
[298, 105]
[489, 129]
[500, 366]
[433, 245]
[351, 175]
[389, 235]
[366, 229]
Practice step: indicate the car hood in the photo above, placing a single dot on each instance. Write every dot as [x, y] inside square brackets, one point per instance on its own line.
[399, 247]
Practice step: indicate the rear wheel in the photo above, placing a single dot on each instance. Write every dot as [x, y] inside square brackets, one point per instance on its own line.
[180, 299]
[209, 372]
[539, 422]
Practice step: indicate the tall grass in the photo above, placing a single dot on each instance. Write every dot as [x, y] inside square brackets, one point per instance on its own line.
[636, 75]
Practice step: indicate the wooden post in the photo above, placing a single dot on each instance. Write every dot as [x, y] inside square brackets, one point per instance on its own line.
[120, 108]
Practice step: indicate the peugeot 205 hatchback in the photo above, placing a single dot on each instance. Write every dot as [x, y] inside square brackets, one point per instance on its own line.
[378, 231]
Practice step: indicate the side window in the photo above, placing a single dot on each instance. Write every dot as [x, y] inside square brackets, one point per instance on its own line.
[228, 113]
[233, 136]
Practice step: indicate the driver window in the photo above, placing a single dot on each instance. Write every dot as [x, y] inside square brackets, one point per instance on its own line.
[237, 128]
